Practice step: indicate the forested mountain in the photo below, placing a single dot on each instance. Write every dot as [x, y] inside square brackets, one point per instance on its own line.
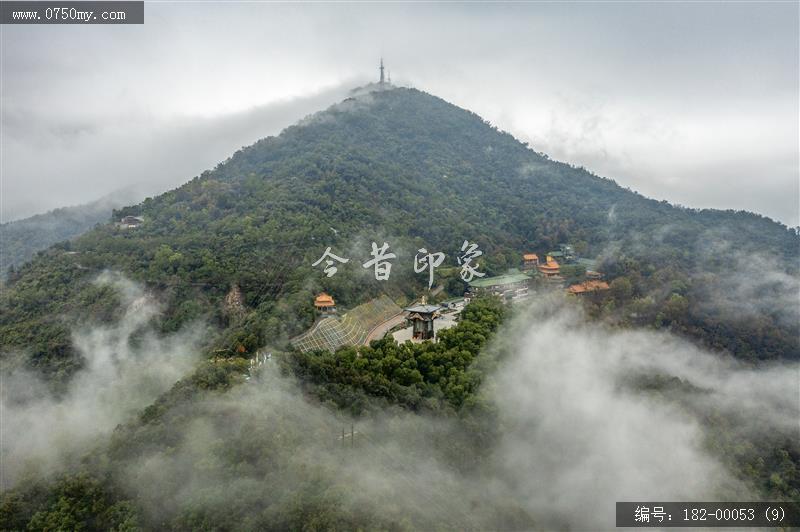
[411, 169]
[391, 165]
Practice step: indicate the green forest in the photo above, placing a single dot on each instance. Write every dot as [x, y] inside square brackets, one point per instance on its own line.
[23, 238]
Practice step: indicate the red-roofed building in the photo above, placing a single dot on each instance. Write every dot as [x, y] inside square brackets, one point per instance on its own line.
[530, 261]
[325, 303]
[587, 287]
[550, 268]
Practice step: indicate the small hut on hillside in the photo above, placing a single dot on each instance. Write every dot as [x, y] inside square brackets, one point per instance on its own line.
[420, 318]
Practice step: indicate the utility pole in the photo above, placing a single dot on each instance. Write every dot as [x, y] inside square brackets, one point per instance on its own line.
[352, 436]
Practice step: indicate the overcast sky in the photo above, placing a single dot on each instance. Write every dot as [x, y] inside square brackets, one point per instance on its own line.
[693, 103]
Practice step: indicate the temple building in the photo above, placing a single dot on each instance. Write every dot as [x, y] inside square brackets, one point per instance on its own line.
[550, 268]
[567, 252]
[130, 222]
[564, 254]
[530, 261]
[587, 287]
[513, 285]
[420, 318]
[325, 304]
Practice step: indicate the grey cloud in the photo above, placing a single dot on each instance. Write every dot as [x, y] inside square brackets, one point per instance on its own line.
[578, 435]
[752, 286]
[146, 155]
[575, 433]
[574, 429]
[695, 103]
[43, 432]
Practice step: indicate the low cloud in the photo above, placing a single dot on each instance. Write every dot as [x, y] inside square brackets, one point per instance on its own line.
[752, 285]
[575, 426]
[126, 366]
[576, 433]
[580, 434]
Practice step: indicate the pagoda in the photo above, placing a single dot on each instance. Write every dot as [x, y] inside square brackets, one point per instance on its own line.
[420, 318]
[550, 268]
[325, 304]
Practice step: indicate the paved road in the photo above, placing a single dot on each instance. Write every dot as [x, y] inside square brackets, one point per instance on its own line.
[382, 328]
